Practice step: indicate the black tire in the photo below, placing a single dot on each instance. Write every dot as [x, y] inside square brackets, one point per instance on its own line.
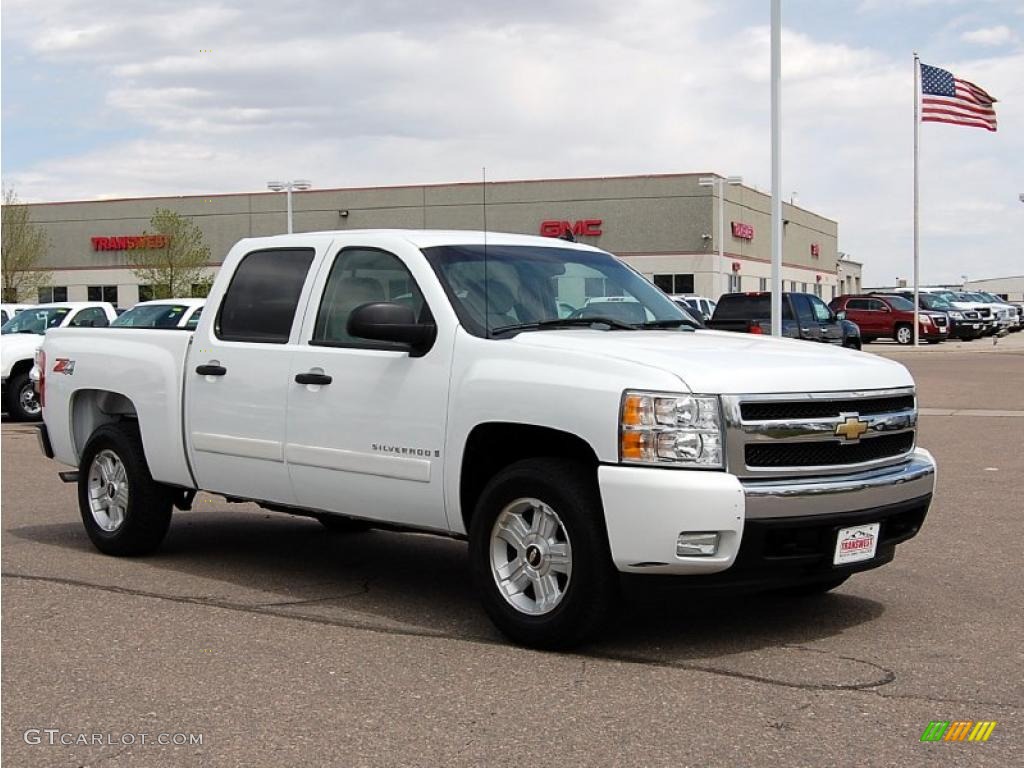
[17, 387]
[339, 524]
[148, 510]
[852, 344]
[903, 339]
[569, 488]
[867, 339]
[812, 588]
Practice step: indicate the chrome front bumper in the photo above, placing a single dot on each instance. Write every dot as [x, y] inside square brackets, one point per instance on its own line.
[912, 479]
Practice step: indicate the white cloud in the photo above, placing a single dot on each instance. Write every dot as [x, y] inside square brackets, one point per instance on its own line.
[366, 93]
[1000, 35]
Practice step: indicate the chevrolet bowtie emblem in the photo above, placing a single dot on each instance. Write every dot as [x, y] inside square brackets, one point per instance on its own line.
[852, 428]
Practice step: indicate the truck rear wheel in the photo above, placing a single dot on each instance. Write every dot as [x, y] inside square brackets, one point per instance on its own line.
[124, 510]
[539, 553]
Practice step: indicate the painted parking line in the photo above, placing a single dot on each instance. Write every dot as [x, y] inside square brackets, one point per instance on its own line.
[969, 412]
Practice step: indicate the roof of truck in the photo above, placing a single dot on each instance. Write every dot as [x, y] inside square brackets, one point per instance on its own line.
[427, 238]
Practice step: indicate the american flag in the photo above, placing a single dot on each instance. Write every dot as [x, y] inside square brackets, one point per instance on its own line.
[948, 99]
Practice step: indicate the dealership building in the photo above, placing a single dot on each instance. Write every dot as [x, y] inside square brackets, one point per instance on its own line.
[666, 226]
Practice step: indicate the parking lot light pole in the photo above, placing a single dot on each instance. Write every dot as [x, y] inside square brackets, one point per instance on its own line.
[717, 183]
[287, 186]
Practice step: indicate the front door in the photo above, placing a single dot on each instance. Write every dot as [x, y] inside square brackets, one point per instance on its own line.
[237, 377]
[367, 441]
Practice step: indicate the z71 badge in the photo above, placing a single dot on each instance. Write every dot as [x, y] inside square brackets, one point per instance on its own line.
[63, 365]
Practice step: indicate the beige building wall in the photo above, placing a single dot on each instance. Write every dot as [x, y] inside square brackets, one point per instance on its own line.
[662, 224]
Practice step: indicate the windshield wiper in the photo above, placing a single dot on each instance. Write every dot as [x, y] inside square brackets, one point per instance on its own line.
[673, 323]
[566, 322]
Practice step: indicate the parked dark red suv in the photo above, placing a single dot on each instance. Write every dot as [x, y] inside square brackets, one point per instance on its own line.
[891, 317]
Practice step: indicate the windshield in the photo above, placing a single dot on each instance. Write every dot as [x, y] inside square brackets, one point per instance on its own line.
[935, 302]
[525, 285]
[35, 320]
[901, 304]
[152, 316]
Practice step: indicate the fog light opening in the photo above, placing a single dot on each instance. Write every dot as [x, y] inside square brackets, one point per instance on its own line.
[697, 544]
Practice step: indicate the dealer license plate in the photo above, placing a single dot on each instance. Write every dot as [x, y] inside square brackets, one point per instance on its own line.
[856, 543]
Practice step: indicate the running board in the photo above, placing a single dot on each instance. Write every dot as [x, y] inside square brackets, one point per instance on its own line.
[70, 476]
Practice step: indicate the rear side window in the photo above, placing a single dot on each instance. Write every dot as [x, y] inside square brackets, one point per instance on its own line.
[746, 306]
[260, 302]
[859, 304]
[802, 306]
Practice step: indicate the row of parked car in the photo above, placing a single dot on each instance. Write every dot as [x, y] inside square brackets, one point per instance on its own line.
[24, 326]
[854, 320]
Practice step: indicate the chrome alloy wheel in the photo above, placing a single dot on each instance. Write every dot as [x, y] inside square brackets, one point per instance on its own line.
[904, 335]
[531, 556]
[29, 400]
[108, 490]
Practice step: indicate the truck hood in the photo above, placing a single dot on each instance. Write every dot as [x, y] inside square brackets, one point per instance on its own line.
[18, 346]
[719, 362]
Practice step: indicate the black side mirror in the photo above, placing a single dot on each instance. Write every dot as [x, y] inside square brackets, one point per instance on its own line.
[385, 321]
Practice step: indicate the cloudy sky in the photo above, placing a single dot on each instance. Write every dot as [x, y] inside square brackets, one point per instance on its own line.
[110, 98]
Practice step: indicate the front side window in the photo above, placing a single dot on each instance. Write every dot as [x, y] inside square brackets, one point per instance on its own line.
[821, 311]
[259, 304]
[512, 285]
[94, 317]
[363, 276]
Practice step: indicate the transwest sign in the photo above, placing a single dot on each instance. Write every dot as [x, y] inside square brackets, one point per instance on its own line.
[580, 227]
[129, 242]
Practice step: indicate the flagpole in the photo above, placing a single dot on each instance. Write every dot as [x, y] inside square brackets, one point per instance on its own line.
[917, 195]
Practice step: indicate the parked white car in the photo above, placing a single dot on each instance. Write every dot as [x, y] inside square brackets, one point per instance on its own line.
[162, 313]
[703, 306]
[22, 335]
[425, 381]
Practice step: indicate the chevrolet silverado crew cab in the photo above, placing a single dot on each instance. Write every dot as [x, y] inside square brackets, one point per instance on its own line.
[425, 381]
[22, 335]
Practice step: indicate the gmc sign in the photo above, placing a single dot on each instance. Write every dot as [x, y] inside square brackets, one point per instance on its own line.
[581, 227]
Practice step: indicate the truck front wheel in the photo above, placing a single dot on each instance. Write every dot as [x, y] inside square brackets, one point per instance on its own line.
[125, 511]
[539, 553]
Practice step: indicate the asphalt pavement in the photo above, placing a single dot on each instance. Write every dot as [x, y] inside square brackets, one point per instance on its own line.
[277, 643]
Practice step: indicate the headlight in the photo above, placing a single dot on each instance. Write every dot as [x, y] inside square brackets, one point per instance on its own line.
[670, 429]
[925, 320]
[956, 315]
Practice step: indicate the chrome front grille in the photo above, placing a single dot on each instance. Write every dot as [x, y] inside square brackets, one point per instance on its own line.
[827, 433]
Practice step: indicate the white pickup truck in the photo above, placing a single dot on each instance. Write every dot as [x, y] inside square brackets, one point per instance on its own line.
[425, 381]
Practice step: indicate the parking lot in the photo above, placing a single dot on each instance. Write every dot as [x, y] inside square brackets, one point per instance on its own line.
[282, 644]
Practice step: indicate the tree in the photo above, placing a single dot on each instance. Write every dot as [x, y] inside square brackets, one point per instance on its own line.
[24, 245]
[171, 269]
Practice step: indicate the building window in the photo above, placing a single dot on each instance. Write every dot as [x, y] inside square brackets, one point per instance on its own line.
[201, 290]
[762, 284]
[53, 293]
[103, 293]
[145, 293]
[803, 287]
[734, 283]
[817, 289]
[682, 283]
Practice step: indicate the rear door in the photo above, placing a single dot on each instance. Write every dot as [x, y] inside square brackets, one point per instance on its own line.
[859, 311]
[237, 374]
[809, 327]
[369, 443]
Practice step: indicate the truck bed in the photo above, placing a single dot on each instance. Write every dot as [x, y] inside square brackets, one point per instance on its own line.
[145, 366]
